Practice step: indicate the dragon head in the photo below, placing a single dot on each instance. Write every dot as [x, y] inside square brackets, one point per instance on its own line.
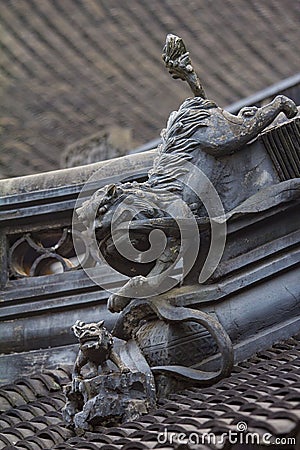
[91, 213]
[89, 331]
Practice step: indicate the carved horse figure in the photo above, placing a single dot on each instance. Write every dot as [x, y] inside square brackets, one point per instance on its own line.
[200, 135]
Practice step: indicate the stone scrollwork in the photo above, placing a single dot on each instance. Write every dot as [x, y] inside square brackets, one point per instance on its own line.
[177, 315]
[46, 252]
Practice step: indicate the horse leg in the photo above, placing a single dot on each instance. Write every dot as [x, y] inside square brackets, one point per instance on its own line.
[117, 302]
[148, 285]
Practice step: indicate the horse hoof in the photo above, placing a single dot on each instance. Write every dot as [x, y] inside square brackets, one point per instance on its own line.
[290, 107]
[292, 111]
[117, 303]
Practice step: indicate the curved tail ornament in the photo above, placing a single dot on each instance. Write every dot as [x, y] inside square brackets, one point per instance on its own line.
[178, 62]
[174, 314]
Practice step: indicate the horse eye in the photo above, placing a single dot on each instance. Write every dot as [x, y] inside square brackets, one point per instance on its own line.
[249, 111]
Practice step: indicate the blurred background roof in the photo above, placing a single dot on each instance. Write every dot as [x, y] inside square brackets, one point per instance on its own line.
[71, 68]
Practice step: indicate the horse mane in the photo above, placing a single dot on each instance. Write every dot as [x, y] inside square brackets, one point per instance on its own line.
[169, 165]
[178, 143]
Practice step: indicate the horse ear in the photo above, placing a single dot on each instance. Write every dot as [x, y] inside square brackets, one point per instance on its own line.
[111, 190]
[100, 324]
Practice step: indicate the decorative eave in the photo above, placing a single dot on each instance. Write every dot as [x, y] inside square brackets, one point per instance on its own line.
[36, 310]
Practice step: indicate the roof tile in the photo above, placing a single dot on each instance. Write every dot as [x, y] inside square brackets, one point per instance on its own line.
[263, 392]
[57, 55]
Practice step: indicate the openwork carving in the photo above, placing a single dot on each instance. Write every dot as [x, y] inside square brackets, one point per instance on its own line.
[47, 252]
[283, 145]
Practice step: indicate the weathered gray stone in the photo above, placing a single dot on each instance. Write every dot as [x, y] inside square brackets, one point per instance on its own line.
[109, 400]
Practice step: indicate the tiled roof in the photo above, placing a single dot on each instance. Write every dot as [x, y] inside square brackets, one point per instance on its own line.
[70, 67]
[30, 412]
[263, 393]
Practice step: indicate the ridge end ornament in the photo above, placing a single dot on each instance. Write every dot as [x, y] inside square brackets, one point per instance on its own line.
[178, 62]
